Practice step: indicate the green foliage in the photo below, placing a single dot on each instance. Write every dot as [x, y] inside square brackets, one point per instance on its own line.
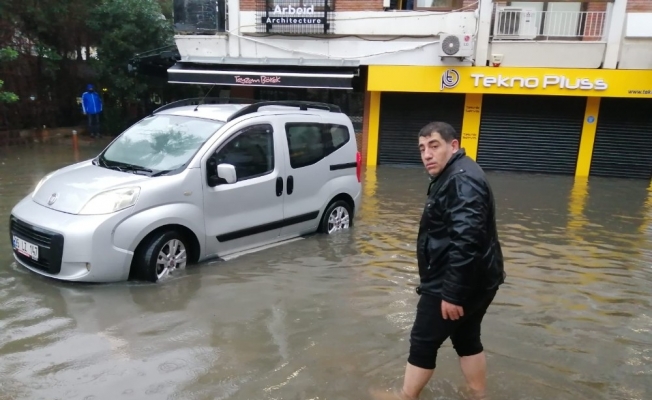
[124, 28]
[42, 48]
[7, 54]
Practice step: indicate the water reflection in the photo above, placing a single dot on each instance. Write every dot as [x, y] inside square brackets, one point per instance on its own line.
[328, 317]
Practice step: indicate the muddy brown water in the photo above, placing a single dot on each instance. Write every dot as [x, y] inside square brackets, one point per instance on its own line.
[329, 317]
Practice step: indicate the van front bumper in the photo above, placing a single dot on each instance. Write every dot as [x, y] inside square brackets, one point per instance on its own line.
[70, 247]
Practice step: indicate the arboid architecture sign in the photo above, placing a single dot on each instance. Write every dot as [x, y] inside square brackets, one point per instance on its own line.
[299, 17]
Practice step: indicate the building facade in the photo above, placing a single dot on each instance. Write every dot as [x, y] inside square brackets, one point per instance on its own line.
[533, 86]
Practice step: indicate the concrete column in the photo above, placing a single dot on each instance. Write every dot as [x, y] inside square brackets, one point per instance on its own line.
[616, 29]
[486, 8]
[233, 26]
[373, 129]
[471, 124]
[589, 129]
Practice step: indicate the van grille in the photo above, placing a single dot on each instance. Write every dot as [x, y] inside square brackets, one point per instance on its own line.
[50, 245]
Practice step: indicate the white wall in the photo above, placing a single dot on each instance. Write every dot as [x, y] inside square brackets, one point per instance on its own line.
[387, 23]
[636, 54]
[379, 38]
[639, 25]
[549, 54]
[413, 51]
[376, 39]
[636, 50]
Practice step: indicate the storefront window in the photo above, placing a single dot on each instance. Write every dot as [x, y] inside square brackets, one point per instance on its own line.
[200, 16]
[434, 5]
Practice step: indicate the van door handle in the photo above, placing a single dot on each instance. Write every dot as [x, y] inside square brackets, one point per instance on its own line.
[279, 186]
[290, 184]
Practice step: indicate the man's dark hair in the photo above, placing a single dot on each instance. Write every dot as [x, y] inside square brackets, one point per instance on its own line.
[446, 131]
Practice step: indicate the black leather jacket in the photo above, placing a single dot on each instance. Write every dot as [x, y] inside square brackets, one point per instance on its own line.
[458, 250]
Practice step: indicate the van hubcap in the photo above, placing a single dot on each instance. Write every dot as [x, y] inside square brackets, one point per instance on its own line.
[172, 256]
[338, 220]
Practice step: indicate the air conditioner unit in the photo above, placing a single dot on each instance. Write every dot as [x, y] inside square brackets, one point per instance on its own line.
[515, 23]
[458, 46]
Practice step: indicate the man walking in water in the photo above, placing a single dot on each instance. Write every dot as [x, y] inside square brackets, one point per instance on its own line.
[460, 263]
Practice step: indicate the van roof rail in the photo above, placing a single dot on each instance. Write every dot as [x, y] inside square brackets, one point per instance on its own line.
[201, 100]
[302, 105]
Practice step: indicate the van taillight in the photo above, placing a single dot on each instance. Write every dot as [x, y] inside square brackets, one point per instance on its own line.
[358, 160]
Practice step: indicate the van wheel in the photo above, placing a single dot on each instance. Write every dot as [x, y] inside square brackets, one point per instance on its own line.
[337, 217]
[162, 255]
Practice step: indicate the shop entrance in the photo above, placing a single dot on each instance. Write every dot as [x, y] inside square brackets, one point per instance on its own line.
[402, 115]
[539, 134]
[623, 141]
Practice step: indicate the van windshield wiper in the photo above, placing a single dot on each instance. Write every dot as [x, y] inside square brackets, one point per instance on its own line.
[133, 168]
[163, 172]
[122, 167]
[101, 161]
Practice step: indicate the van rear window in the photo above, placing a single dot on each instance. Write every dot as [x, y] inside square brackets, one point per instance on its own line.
[310, 143]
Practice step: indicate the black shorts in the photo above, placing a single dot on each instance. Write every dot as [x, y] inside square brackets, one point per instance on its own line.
[430, 330]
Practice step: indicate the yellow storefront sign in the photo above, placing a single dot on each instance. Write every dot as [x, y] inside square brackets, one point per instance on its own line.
[504, 80]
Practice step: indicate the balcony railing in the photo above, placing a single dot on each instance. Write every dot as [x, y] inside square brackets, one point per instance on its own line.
[522, 23]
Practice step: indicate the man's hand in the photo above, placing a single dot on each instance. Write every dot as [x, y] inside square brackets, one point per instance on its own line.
[451, 311]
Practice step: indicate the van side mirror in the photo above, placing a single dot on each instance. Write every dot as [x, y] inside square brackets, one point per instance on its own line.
[227, 172]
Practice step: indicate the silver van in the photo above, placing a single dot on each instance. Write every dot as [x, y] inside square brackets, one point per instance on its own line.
[198, 179]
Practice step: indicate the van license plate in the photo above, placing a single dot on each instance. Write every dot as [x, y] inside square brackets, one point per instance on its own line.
[26, 248]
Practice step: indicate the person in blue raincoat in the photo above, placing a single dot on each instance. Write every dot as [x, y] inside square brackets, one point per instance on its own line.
[92, 107]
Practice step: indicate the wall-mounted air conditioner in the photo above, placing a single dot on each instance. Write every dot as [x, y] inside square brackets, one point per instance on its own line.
[458, 46]
[515, 23]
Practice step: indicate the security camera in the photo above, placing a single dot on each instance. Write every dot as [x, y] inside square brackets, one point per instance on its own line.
[496, 60]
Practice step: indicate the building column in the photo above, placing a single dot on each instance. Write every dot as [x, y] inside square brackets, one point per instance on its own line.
[233, 25]
[373, 128]
[615, 31]
[486, 8]
[471, 124]
[588, 137]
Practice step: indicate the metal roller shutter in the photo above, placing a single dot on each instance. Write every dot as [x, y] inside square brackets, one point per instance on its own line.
[539, 134]
[402, 115]
[623, 141]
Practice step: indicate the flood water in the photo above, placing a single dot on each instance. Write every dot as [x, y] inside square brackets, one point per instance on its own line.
[329, 317]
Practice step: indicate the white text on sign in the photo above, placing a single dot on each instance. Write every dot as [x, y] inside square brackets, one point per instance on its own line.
[548, 81]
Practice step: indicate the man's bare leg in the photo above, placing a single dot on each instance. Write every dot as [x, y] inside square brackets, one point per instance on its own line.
[415, 380]
[475, 372]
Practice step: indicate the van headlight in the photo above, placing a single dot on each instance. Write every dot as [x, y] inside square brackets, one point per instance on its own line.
[111, 201]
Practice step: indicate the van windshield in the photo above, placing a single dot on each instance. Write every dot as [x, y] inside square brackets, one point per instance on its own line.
[159, 143]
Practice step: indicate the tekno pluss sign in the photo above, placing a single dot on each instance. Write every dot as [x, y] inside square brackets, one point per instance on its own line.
[295, 16]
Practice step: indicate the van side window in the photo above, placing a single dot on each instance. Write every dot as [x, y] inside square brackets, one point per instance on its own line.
[250, 151]
[310, 143]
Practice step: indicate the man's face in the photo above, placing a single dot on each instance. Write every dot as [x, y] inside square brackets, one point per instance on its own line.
[435, 152]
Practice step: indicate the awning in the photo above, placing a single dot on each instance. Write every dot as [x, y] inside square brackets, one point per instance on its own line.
[263, 76]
